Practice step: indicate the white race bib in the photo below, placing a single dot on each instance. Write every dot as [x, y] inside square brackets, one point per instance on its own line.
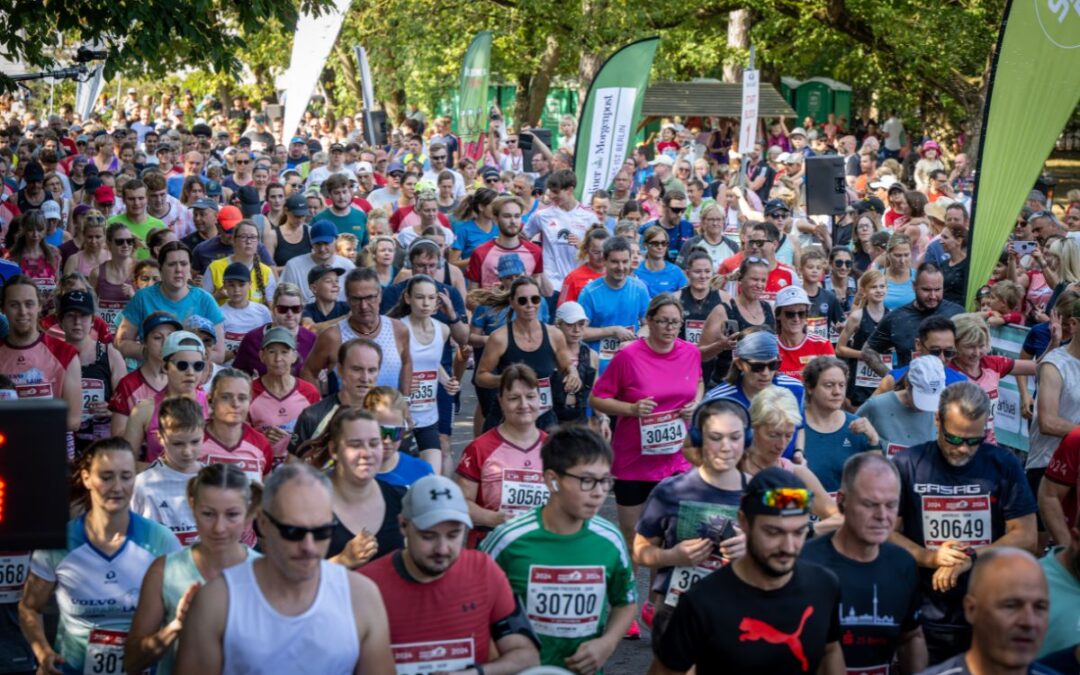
[682, 578]
[866, 377]
[14, 566]
[868, 670]
[37, 390]
[543, 385]
[965, 519]
[693, 331]
[105, 652]
[109, 311]
[819, 326]
[93, 391]
[610, 345]
[233, 340]
[566, 601]
[417, 658]
[894, 449]
[522, 490]
[422, 397]
[662, 433]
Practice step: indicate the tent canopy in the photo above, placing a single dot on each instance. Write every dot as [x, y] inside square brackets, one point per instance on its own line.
[704, 99]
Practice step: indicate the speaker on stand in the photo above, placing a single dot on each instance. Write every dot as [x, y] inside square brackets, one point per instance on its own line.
[826, 192]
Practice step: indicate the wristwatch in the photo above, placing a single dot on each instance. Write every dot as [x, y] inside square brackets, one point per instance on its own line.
[477, 667]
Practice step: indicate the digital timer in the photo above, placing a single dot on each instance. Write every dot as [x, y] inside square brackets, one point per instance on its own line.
[33, 474]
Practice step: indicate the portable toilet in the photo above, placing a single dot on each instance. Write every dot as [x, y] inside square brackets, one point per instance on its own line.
[788, 87]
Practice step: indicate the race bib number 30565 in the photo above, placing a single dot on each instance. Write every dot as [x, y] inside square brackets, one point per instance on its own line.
[522, 490]
[965, 519]
[566, 601]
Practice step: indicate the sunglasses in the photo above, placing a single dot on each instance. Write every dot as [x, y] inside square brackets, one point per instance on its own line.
[438, 157]
[657, 242]
[288, 309]
[197, 366]
[757, 243]
[762, 366]
[842, 263]
[391, 433]
[787, 498]
[795, 314]
[297, 533]
[779, 214]
[528, 299]
[128, 241]
[676, 210]
[970, 441]
[491, 181]
[939, 352]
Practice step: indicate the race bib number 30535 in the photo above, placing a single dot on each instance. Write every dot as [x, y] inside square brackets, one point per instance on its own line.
[566, 601]
[965, 519]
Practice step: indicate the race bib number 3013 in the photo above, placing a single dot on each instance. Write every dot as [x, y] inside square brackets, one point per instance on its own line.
[566, 601]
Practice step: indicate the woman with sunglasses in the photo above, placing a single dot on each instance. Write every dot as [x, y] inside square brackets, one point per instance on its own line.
[185, 360]
[659, 275]
[391, 409]
[229, 439]
[525, 340]
[499, 472]
[112, 279]
[774, 419]
[277, 396]
[108, 551]
[707, 311]
[869, 310]
[365, 508]
[224, 504]
[651, 386]
[839, 281]
[285, 310]
[748, 307]
[866, 224]
[798, 345]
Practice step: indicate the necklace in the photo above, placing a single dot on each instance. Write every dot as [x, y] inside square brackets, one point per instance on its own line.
[361, 331]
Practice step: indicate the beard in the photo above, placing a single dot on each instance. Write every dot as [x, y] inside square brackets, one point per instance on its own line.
[770, 565]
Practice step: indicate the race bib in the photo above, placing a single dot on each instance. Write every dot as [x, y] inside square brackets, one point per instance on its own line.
[522, 490]
[46, 285]
[422, 397]
[38, 390]
[894, 449]
[565, 601]
[965, 519]
[251, 467]
[105, 652]
[610, 345]
[543, 385]
[93, 391]
[866, 377]
[819, 326]
[449, 656]
[682, 578]
[693, 331]
[14, 566]
[662, 433]
[233, 340]
[109, 311]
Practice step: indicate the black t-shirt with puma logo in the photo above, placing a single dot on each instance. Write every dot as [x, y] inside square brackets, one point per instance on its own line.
[723, 625]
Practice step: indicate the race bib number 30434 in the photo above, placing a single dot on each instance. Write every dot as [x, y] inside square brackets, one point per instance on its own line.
[964, 519]
[566, 601]
[662, 433]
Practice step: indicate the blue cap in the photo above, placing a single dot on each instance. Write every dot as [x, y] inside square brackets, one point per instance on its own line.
[510, 265]
[323, 232]
[758, 346]
[298, 139]
[395, 167]
[159, 319]
[200, 324]
[237, 271]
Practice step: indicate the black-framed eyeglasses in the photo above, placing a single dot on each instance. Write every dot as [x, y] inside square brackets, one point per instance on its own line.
[757, 243]
[970, 441]
[762, 366]
[297, 533]
[363, 299]
[589, 483]
[941, 351]
[197, 366]
[842, 263]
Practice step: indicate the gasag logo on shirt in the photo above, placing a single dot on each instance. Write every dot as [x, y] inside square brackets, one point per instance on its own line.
[934, 489]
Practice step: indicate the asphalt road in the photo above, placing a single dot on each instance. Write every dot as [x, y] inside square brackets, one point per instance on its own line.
[632, 656]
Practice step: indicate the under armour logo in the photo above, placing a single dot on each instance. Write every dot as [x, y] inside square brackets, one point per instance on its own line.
[755, 629]
[435, 494]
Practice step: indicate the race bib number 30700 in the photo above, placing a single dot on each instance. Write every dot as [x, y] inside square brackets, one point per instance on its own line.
[566, 601]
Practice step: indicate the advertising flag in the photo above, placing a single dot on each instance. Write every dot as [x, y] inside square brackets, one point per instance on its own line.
[473, 98]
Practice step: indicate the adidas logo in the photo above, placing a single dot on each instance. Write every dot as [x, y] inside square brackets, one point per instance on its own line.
[163, 505]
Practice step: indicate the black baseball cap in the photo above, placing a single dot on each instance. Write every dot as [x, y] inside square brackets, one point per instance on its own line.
[296, 204]
[776, 492]
[236, 271]
[774, 205]
[319, 271]
[76, 301]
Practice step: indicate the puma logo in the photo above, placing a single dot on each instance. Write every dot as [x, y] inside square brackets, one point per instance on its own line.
[755, 629]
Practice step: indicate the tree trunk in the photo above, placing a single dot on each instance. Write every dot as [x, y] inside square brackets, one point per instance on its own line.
[588, 66]
[395, 107]
[349, 74]
[539, 86]
[329, 82]
[738, 40]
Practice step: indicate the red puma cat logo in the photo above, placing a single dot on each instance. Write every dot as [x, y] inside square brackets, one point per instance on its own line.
[755, 629]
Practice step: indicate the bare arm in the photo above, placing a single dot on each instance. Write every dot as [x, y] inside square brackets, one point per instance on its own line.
[912, 652]
[591, 656]
[322, 355]
[850, 326]
[516, 653]
[217, 353]
[1048, 401]
[714, 340]
[479, 515]
[135, 430]
[372, 627]
[73, 394]
[1020, 532]
[832, 662]
[873, 361]
[493, 351]
[201, 650]
[1051, 496]
[147, 639]
[127, 340]
[35, 597]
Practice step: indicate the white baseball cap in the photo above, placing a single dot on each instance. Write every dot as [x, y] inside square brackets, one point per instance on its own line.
[570, 312]
[926, 378]
[663, 159]
[51, 210]
[792, 295]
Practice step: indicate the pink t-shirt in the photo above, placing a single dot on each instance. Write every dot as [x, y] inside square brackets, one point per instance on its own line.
[268, 410]
[253, 454]
[510, 477]
[37, 369]
[133, 388]
[993, 369]
[650, 448]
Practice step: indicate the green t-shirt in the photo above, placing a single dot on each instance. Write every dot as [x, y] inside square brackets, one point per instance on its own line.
[354, 223]
[140, 230]
[565, 582]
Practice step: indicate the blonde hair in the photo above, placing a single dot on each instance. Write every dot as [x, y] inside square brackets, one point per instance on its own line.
[1009, 292]
[773, 407]
[971, 330]
[1067, 251]
[868, 279]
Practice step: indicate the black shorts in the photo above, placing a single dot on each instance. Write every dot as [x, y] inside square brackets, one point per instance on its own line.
[633, 492]
[1034, 477]
[427, 438]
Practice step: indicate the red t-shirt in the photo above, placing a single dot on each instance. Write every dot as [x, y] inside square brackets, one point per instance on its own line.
[1064, 469]
[780, 278]
[444, 625]
[576, 281]
[397, 221]
[483, 266]
[362, 204]
[133, 388]
[794, 359]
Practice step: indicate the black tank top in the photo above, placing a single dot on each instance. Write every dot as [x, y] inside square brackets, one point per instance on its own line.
[770, 320]
[867, 326]
[96, 386]
[286, 251]
[541, 360]
[566, 411]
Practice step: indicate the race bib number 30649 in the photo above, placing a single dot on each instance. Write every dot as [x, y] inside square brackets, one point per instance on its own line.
[964, 519]
[566, 601]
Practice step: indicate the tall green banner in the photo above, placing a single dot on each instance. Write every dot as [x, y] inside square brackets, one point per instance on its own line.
[610, 116]
[473, 98]
[1034, 88]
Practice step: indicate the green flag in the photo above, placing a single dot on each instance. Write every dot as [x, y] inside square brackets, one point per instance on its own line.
[1034, 88]
[473, 98]
[610, 116]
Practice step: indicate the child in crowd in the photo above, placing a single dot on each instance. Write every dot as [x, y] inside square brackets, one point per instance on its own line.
[1005, 302]
[241, 314]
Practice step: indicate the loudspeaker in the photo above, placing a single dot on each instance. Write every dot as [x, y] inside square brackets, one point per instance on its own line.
[826, 193]
[379, 133]
[33, 473]
[544, 135]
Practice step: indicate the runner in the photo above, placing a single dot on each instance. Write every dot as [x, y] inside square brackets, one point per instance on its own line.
[225, 503]
[391, 410]
[756, 366]
[97, 573]
[569, 567]
[323, 234]
[749, 307]
[150, 377]
[768, 611]
[500, 472]
[707, 312]
[688, 530]
[290, 611]
[573, 406]
[113, 281]
[483, 267]
[959, 495]
[658, 274]
[869, 310]
[614, 303]
[242, 315]
[797, 339]
[285, 312]
[904, 417]
[278, 397]
[825, 314]
[432, 575]
[591, 256]
[260, 276]
[229, 439]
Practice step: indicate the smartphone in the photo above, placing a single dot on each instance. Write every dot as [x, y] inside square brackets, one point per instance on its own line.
[731, 327]
[1023, 248]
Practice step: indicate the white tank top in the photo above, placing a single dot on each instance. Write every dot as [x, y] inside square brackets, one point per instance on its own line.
[425, 375]
[390, 372]
[259, 639]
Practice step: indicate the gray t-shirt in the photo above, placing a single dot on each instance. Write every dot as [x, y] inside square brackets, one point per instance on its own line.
[1041, 446]
[899, 426]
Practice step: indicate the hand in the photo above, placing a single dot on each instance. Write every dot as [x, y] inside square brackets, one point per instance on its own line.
[129, 290]
[452, 386]
[945, 578]
[573, 239]
[1027, 407]
[687, 411]
[50, 665]
[623, 334]
[1055, 327]
[571, 381]
[182, 608]
[274, 434]
[605, 428]
[734, 548]
[643, 407]
[693, 552]
[798, 457]
[950, 555]
[446, 304]
[359, 550]
[99, 408]
[465, 352]
[863, 426]
[589, 657]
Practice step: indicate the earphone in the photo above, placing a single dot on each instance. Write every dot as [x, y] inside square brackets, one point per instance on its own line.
[729, 405]
[554, 486]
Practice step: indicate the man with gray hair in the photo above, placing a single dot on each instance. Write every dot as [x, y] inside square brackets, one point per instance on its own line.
[290, 611]
[879, 599]
[959, 496]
